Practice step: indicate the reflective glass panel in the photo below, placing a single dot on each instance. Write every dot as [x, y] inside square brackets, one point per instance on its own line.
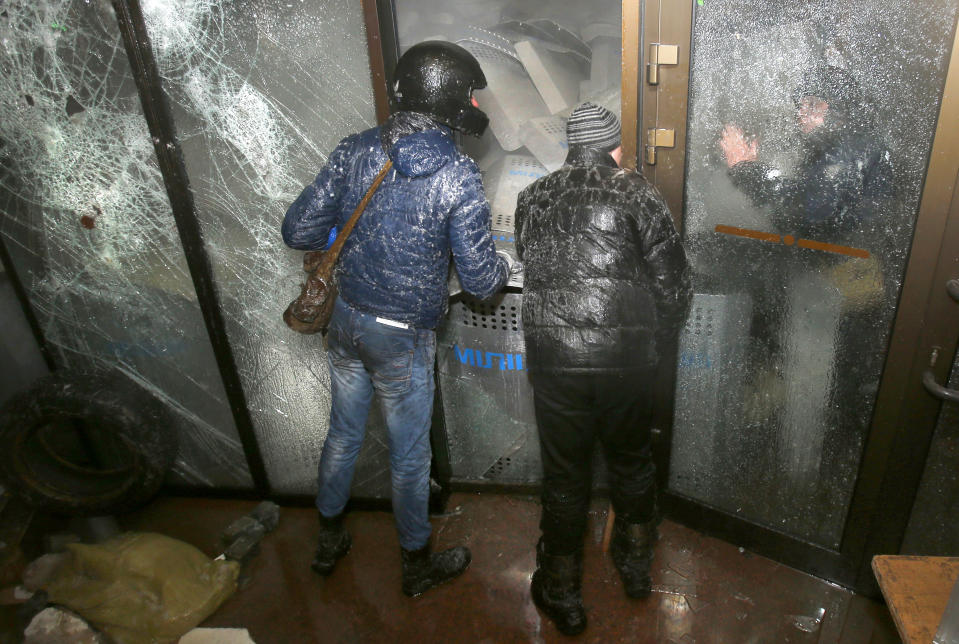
[810, 126]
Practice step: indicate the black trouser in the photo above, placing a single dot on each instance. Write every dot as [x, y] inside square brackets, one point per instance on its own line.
[571, 412]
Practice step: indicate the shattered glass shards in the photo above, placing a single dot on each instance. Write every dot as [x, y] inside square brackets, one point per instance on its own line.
[261, 92]
[90, 229]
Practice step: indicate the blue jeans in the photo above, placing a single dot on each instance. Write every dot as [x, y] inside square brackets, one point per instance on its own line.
[366, 355]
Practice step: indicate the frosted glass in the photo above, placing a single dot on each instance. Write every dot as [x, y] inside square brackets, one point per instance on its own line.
[780, 362]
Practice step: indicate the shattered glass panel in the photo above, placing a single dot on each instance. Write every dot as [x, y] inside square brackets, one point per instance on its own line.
[810, 126]
[89, 227]
[540, 60]
[261, 92]
[932, 529]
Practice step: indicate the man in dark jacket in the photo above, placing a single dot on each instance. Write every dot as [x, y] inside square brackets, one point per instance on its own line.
[606, 292]
[843, 165]
[817, 330]
[392, 277]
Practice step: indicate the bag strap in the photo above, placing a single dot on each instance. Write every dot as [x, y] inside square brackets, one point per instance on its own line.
[331, 255]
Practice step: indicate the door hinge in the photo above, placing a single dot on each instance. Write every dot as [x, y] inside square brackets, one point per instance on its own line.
[658, 138]
[660, 55]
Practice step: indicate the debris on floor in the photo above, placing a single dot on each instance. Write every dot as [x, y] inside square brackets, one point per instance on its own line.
[41, 570]
[56, 625]
[142, 587]
[241, 539]
[217, 636]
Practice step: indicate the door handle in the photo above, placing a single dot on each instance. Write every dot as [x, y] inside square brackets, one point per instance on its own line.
[952, 287]
[933, 387]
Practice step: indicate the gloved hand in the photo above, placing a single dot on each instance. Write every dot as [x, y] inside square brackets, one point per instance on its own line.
[515, 267]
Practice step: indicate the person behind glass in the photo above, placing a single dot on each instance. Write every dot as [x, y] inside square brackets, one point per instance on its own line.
[606, 291]
[392, 276]
[818, 325]
[842, 161]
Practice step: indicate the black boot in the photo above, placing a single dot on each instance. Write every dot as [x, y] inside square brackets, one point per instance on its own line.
[334, 542]
[632, 550]
[556, 590]
[423, 569]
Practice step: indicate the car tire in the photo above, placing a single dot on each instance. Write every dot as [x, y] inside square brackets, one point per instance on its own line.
[85, 443]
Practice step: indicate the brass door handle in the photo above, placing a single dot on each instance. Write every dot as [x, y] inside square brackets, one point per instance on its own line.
[933, 387]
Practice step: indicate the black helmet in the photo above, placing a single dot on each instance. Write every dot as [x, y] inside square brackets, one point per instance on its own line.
[438, 78]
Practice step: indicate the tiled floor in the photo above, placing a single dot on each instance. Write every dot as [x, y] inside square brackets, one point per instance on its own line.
[705, 590]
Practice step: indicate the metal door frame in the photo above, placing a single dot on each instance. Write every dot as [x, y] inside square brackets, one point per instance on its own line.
[905, 415]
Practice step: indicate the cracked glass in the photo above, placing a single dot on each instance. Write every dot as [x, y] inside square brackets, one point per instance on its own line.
[261, 92]
[90, 231]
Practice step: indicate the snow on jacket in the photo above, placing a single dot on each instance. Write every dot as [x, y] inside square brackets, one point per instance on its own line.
[395, 263]
[607, 281]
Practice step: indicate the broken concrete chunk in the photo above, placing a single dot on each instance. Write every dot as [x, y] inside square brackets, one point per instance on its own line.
[244, 525]
[217, 636]
[41, 570]
[59, 626]
[268, 514]
[245, 546]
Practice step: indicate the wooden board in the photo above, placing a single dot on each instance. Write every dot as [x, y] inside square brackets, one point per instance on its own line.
[916, 590]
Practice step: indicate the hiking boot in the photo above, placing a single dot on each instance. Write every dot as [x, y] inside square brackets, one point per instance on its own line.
[631, 547]
[334, 542]
[556, 590]
[423, 569]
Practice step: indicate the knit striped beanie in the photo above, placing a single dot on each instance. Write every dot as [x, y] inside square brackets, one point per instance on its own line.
[593, 126]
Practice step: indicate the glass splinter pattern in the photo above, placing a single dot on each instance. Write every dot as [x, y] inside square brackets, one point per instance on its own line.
[261, 92]
[90, 230]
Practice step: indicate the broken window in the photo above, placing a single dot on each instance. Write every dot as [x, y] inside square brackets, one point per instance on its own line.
[261, 92]
[89, 227]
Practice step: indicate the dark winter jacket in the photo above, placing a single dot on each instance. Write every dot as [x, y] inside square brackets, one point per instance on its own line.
[395, 263]
[607, 282]
[843, 171]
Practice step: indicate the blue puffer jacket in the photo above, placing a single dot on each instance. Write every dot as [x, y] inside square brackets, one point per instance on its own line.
[396, 261]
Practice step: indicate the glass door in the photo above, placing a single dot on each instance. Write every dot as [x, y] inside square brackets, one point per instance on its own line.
[801, 164]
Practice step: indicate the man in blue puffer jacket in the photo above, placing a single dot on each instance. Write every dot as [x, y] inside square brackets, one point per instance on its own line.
[392, 277]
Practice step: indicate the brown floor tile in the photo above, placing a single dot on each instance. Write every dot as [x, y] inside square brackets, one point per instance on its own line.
[705, 590]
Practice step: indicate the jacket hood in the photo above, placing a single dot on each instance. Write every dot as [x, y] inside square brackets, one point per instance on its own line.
[417, 145]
